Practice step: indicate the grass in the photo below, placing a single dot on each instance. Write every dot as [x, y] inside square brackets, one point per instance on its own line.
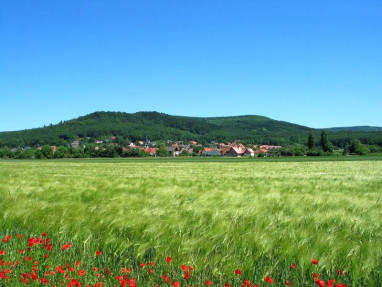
[215, 215]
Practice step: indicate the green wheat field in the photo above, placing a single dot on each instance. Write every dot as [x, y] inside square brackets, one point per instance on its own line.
[217, 216]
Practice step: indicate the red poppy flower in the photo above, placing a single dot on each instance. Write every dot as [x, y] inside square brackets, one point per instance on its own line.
[208, 283]
[287, 283]
[98, 253]
[168, 259]
[60, 269]
[167, 279]
[340, 272]
[238, 271]
[320, 283]
[81, 272]
[2, 252]
[315, 261]
[269, 280]
[66, 246]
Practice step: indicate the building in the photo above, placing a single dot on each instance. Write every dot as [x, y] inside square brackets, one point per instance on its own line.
[173, 151]
[75, 144]
[235, 152]
[249, 152]
[212, 152]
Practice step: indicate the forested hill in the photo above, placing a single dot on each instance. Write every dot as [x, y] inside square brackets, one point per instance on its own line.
[357, 128]
[158, 126]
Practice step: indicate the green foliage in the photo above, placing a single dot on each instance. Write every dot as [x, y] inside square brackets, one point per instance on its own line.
[47, 152]
[314, 152]
[162, 151]
[324, 141]
[160, 127]
[311, 143]
[358, 148]
[298, 150]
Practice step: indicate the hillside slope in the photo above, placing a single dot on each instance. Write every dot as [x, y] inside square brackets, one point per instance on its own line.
[356, 129]
[160, 126]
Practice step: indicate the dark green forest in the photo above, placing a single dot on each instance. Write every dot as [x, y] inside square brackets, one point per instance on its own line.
[159, 127]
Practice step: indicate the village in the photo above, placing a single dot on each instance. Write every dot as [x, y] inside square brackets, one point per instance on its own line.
[180, 148]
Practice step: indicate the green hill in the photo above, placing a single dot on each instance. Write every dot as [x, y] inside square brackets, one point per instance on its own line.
[160, 126]
[356, 128]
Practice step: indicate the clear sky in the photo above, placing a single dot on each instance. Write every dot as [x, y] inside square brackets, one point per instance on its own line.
[315, 63]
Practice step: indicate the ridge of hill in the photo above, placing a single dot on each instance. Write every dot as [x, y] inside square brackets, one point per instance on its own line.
[159, 126]
[356, 128]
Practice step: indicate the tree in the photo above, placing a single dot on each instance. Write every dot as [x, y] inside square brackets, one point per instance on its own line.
[47, 151]
[358, 148]
[325, 145]
[311, 143]
[162, 151]
[61, 152]
[297, 150]
[185, 153]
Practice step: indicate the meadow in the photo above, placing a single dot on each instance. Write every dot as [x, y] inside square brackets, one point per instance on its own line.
[230, 220]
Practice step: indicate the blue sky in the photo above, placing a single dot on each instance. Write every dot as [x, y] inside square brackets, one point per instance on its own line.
[315, 63]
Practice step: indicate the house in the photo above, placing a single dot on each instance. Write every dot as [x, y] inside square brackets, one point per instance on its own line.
[75, 144]
[153, 151]
[224, 151]
[249, 152]
[265, 151]
[189, 150]
[235, 151]
[206, 150]
[211, 152]
[173, 151]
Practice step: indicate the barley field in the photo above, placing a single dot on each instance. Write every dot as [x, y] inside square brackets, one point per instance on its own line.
[179, 223]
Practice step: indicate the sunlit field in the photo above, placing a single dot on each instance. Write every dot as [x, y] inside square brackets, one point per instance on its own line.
[227, 222]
